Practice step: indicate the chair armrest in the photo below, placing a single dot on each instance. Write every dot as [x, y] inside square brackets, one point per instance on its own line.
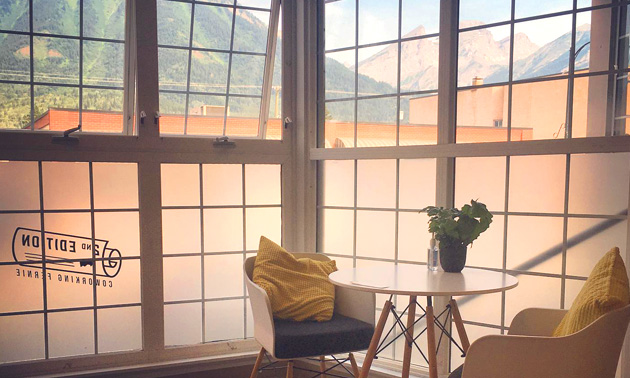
[264, 330]
[355, 304]
[536, 322]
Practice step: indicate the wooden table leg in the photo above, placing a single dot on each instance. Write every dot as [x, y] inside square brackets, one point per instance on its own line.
[322, 366]
[376, 338]
[411, 318]
[431, 349]
[461, 331]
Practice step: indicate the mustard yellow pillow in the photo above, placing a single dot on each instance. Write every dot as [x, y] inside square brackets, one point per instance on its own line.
[297, 288]
[605, 290]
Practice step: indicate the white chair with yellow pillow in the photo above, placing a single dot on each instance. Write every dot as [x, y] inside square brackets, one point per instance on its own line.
[298, 313]
[583, 342]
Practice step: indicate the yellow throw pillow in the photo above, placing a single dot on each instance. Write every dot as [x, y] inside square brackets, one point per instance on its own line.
[297, 288]
[605, 290]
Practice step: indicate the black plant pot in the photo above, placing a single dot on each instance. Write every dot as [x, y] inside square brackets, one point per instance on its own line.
[453, 258]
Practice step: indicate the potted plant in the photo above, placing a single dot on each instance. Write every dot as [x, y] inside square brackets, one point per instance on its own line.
[455, 229]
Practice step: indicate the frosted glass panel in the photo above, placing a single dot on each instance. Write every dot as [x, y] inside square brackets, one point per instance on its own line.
[485, 308]
[413, 236]
[589, 239]
[532, 291]
[571, 290]
[263, 222]
[487, 250]
[338, 231]
[9, 223]
[535, 244]
[115, 185]
[375, 234]
[417, 183]
[338, 185]
[180, 185]
[19, 189]
[599, 183]
[71, 333]
[222, 184]
[223, 276]
[182, 324]
[21, 289]
[76, 224]
[181, 231]
[262, 184]
[22, 338]
[376, 183]
[481, 179]
[115, 335]
[182, 278]
[122, 289]
[223, 230]
[224, 320]
[537, 183]
[474, 332]
[121, 230]
[63, 291]
[66, 185]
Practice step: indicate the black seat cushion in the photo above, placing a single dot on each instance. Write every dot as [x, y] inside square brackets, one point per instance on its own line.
[457, 373]
[341, 334]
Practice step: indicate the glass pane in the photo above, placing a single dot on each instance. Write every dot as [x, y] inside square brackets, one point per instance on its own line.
[181, 231]
[338, 183]
[66, 185]
[598, 184]
[56, 60]
[173, 68]
[482, 116]
[14, 56]
[213, 27]
[376, 21]
[15, 106]
[250, 31]
[56, 17]
[182, 324]
[376, 234]
[223, 276]
[254, 3]
[102, 110]
[71, 333]
[539, 109]
[180, 185]
[115, 185]
[377, 70]
[413, 236]
[420, 17]
[208, 72]
[262, 184]
[532, 291]
[339, 124]
[223, 230]
[174, 23]
[481, 179]
[22, 338]
[473, 332]
[14, 16]
[222, 184]
[590, 107]
[247, 74]
[487, 250]
[542, 47]
[103, 63]
[104, 19]
[419, 65]
[121, 230]
[571, 290]
[123, 288]
[483, 55]
[480, 10]
[263, 222]
[243, 116]
[537, 250]
[24, 280]
[172, 110]
[340, 75]
[205, 115]
[19, 189]
[182, 278]
[417, 183]
[543, 175]
[376, 183]
[17, 250]
[340, 24]
[115, 335]
[225, 320]
[524, 8]
[337, 231]
[485, 308]
[60, 101]
[376, 122]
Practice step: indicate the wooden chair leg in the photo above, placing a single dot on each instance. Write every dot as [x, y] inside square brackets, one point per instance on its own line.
[376, 338]
[259, 359]
[322, 366]
[290, 369]
[355, 367]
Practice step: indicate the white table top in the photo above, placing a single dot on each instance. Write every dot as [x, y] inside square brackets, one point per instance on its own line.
[417, 280]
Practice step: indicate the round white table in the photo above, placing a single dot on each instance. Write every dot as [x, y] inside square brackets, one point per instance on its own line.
[415, 281]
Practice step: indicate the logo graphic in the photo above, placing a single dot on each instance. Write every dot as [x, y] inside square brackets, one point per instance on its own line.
[65, 253]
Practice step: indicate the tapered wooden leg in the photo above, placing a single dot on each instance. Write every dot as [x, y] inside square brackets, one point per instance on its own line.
[461, 331]
[376, 338]
[322, 366]
[290, 369]
[355, 367]
[431, 350]
[411, 317]
[259, 359]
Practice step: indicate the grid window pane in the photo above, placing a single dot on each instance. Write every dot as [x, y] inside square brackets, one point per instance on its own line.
[115, 185]
[537, 249]
[181, 231]
[180, 184]
[340, 24]
[222, 184]
[487, 250]
[56, 60]
[66, 185]
[14, 62]
[71, 333]
[213, 27]
[413, 237]
[532, 291]
[16, 16]
[223, 230]
[182, 278]
[338, 183]
[103, 63]
[54, 17]
[339, 125]
[537, 183]
[265, 222]
[376, 19]
[340, 79]
[250, 31]
[115, 335]
[25, 280]
[482, 179]
[223, 276]
[17, 101]
[17, 190]
[262, 184]
[337, 227]
[376, 63]
[208, 72]
[376, 122]
[9, 225]
[376, 234]
[224, 320]
[22, 338]
[182, 324]
[376, 183]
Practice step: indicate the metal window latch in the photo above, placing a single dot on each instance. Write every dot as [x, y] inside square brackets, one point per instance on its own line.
[223, 141]
[66, 138]
[143, 115]
[156, 118]
[287, 122]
